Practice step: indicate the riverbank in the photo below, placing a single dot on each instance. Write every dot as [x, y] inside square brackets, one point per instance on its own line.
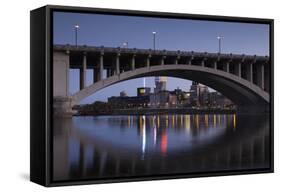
[157, 111]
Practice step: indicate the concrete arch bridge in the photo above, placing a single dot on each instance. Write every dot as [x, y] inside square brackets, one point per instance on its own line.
[242, 78]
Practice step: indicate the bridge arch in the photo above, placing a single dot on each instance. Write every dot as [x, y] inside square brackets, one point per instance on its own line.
[240, 91]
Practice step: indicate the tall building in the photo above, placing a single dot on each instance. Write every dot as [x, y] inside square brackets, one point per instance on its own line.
[160, 84]
[199, 94]
[194, 93]
[203, 95]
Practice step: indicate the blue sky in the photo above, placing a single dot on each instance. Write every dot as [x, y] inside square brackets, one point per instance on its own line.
[172, 34]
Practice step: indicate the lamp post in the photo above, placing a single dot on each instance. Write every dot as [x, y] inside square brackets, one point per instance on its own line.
[76, 27]
[154, 36]
[220, 39]
[125, 44]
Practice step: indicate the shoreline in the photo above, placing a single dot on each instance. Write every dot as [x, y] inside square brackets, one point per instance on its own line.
[159, 112]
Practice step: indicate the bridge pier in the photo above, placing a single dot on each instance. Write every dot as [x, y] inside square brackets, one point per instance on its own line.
[62, 102]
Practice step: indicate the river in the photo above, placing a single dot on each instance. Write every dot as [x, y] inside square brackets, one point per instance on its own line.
[123, 146]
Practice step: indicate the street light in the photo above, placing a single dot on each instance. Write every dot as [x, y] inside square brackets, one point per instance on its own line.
[125, 44]
[76, 27]
[219, 38]
[154, 34]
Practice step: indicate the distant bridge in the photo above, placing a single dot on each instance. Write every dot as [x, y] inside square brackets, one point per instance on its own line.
[242, 78]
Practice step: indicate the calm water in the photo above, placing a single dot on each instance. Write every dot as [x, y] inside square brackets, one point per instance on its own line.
[120, 146]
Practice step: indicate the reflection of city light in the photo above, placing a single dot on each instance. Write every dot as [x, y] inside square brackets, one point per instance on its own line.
[129, 121]
[206, 120]
[215, 121]
[181, 120]
[197, 121]
[158, 121]
[155, 135]
[173, 121]
[187, 122]
[164, 143]
[140, 120]
[143, 135]
[153, 121]
[219, 116]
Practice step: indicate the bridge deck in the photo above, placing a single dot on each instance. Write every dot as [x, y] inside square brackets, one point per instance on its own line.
[99, 49]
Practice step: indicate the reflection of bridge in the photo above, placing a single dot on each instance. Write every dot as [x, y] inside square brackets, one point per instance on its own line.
[96, 157]
[242, 78]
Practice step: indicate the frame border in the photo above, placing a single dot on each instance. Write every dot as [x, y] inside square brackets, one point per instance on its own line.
[49, 9]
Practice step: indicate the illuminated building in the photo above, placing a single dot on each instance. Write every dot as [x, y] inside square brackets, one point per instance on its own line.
[143, 91]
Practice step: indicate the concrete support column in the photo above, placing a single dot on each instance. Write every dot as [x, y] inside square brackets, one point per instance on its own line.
[237, 69]
[249, 72]
[215, 65]
[133, 63]
[177, 60]
[117, 67]
[101, 66]
[83, 72]
[62, 103]
[203, 62]
[148, 61]
[226, 67]
[163, 60]
[260, 76]
[61, 74]
[190, 60]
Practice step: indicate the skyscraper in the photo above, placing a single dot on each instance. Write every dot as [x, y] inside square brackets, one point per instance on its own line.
[199, 94]
[160, 84]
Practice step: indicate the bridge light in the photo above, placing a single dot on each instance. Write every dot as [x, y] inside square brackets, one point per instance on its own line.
[125, 44]
[219, 38]
[154, 37]
[76, 27]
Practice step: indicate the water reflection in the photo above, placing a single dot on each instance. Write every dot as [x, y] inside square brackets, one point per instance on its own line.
[116, 146]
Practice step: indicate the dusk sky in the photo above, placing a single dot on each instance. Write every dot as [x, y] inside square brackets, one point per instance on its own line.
[172, 34]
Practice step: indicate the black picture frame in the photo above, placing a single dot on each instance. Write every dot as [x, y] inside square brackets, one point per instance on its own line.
[41, 26]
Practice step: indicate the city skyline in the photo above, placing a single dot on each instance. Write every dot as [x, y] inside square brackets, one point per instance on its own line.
[171, 34]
